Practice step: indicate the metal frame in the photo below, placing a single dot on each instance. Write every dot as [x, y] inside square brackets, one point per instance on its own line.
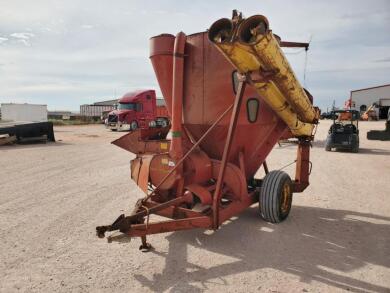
[137, 224]
[29, 131]
[222, 187]
[133, 225]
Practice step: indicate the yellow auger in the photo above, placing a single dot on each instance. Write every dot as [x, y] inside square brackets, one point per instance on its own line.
[252, 48]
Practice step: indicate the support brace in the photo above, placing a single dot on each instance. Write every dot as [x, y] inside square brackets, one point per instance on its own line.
[303, 166]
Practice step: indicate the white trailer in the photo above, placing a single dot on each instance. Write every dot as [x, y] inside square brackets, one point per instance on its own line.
[23, 112]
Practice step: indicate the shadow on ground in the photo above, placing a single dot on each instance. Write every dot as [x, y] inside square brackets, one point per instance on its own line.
[374, 151]
[314, 244]
[321, 144]
[318, 143]
[365, 151]
[31, 145]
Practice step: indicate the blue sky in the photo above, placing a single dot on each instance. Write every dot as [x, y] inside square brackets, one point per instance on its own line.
[67, 53]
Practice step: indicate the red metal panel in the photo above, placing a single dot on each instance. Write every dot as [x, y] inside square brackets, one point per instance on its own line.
[161, 56]
[193, 102]
[208, 91]
[161, 111]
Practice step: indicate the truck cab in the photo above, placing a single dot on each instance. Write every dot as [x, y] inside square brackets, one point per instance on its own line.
[136, 110]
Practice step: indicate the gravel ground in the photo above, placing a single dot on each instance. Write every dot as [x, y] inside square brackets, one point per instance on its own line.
[52, 196]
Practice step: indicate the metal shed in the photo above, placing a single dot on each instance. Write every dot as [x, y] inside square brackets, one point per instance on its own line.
[363, 98]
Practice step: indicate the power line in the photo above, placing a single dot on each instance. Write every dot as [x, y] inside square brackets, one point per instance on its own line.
[304, 70]
[305, 66]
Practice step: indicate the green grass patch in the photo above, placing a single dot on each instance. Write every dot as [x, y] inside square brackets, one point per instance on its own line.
[73, 122]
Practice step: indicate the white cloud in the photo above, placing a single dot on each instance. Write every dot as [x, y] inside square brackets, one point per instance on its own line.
[87, 26]
[22, 36]
[3, 40]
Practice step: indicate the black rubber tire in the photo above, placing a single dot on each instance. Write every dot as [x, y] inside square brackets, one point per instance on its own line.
[164, 123]
[133, 125]
[328, 148]
[270, 198]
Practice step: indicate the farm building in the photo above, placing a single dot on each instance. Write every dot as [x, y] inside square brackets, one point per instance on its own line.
[96, 110]
[62, 115]
[362, 99]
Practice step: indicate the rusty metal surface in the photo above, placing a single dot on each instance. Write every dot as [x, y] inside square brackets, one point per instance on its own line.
[294, 45]
[124, 223]
[176, 149]
[237, 207]
[162, 165]
[168, 226]
[194, 147]
[205, 174]
[233, 179]
[140, 141]
[198, 167]
[172, 212]
[252, 48]
[143, 177]
[203, 194]
[229, 138]
[161, 51]
[303, 167]
[208, 90]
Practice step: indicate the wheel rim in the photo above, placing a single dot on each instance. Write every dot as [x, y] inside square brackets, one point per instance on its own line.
[286, 194]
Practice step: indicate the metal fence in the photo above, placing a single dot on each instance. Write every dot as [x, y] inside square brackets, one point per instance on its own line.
[94, 110]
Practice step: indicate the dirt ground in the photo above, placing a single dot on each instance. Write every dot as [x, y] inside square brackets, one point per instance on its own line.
[52, 196]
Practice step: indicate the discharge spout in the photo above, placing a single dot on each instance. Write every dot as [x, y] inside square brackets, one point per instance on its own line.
[221, 31]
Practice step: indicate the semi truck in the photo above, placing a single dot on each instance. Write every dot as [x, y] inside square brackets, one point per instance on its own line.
[138, 109]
